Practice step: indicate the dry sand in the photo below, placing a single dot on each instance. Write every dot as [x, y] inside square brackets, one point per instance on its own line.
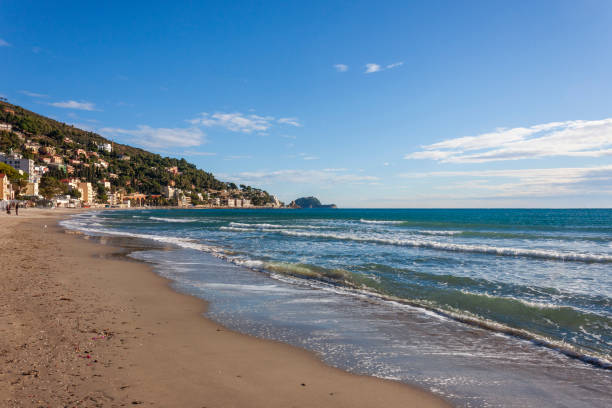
[83, 327]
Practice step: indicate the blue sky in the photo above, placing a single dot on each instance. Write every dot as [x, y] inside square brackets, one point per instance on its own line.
[387, 104]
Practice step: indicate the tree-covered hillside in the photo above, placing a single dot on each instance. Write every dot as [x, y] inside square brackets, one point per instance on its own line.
[127, 167]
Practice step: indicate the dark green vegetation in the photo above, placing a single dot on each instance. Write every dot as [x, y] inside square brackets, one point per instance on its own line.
[311, 202]
[129, 168]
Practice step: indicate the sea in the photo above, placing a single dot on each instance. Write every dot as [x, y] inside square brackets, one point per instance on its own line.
[484, 307]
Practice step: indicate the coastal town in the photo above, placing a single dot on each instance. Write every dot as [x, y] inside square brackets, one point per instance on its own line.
[50, 164]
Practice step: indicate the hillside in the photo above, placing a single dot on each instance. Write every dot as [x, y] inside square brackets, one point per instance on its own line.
[130, 169]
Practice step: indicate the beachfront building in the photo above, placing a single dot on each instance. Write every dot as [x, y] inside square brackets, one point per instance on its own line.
[87, 193]
[168, 192]
[6, 192]
[114, 199]
[18, 162]
[32, 190]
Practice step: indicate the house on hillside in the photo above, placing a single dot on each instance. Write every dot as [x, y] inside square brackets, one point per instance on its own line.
[107, 147]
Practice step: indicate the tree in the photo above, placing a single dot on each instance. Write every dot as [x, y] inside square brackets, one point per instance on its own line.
[50, 187]
[101, 193]
[11, 172]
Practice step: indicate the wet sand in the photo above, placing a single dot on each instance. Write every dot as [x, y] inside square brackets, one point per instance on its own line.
[82, 326]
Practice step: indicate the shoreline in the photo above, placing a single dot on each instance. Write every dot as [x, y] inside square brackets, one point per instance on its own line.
[113, 332]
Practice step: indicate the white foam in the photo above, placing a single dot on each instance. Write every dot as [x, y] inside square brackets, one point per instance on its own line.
[249, 288]
[183, 220]
[380, 221]
[483, 249]
[428, 232]
[272, 226]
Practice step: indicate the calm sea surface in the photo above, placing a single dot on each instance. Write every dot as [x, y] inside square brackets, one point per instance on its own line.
[484, 307]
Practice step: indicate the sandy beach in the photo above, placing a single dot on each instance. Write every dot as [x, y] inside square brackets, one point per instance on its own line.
[81, 326]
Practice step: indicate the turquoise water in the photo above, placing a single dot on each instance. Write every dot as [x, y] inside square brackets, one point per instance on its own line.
[536, 277]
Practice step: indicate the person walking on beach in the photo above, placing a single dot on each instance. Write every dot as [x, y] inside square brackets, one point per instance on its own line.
[8, 209]
[16, 208]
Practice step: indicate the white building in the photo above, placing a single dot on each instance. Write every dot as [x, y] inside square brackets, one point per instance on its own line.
[168, 192]
[18, 162]
[6, 126]
[107, 147]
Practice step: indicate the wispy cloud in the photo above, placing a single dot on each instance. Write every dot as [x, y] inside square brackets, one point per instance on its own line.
[290, 121]
[306, 156]
[196, 153]
[238, 157]
[341, 67]
[240, 122]
[372, 68]
[317, 177]
[578, 138]
[4, 43]
[34, 94]
[235, 122]
[517, 183]
[88, 106]
[395, 65]
[160, 137]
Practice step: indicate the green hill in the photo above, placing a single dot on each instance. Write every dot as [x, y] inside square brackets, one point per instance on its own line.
[129, 168]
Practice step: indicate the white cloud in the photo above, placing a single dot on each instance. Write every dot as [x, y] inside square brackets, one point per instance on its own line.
[34, 94]
[317, 177]
[341, 67]
[243, 123]
[235, 122]
[290, 121]
[306, 156]
[160, 137]
[4, 43]
[577, 138]
[88, 106]
[238, 157]
[196, 153]
[371, 68]
[519, 183]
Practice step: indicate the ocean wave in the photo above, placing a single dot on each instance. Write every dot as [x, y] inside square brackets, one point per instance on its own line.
[182, 220]
[451, 247]
[272, 226]
[348, 283]
[380, 222]
[430, 232]
[180, 242]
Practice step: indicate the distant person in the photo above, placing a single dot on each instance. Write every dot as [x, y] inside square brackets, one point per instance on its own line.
[8, 209]
[17, 209]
